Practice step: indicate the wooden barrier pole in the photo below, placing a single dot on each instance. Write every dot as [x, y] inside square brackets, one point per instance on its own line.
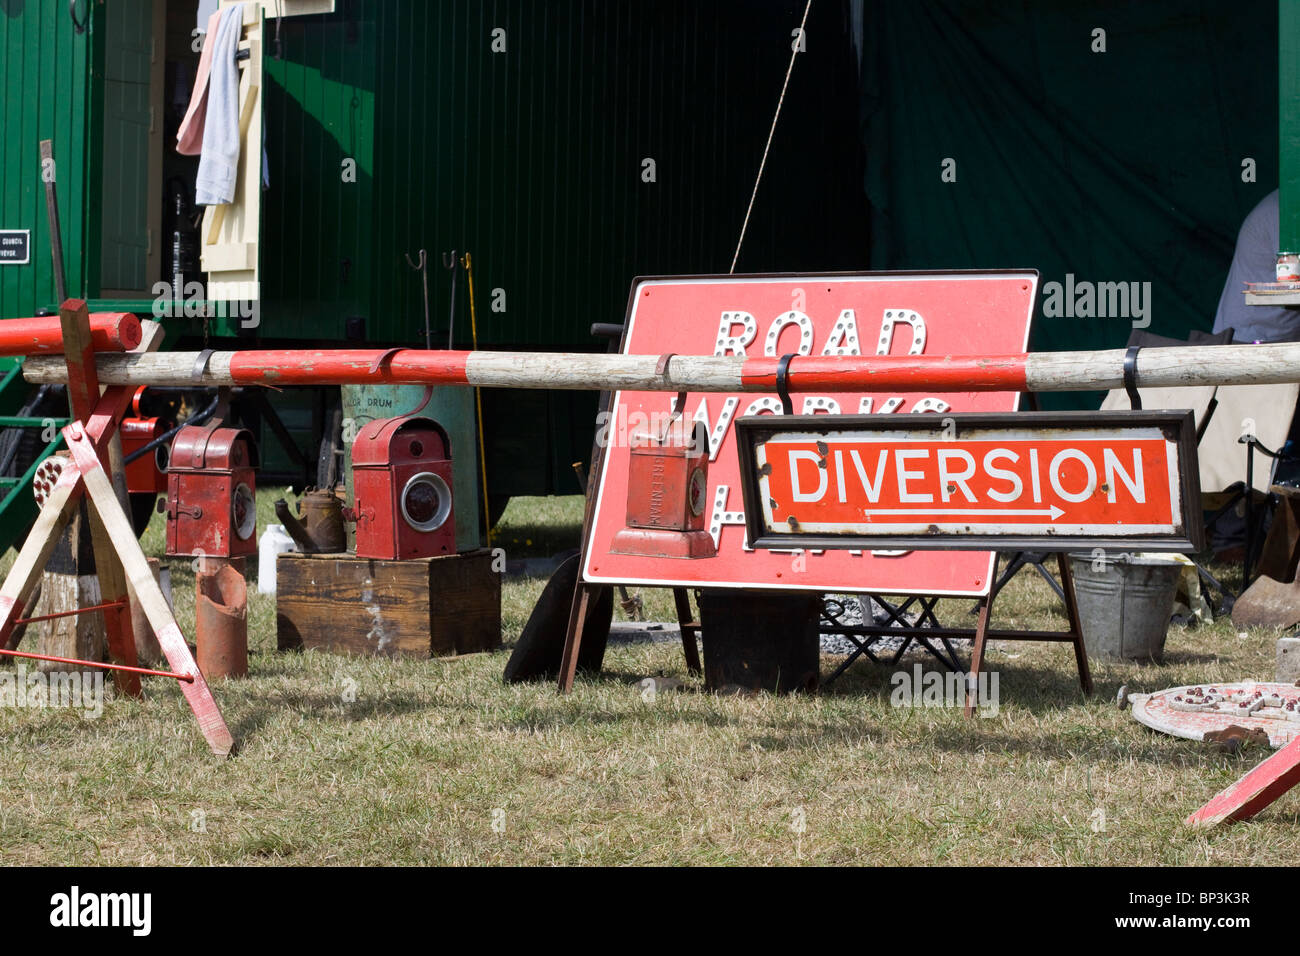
[1035, 372]
[109, 332]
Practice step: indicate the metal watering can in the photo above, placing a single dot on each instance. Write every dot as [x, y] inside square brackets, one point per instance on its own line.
[321, 529]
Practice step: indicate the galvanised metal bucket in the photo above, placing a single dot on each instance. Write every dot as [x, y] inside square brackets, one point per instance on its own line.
[1125, 602]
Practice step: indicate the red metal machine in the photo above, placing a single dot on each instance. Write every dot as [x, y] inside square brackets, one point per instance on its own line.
[147, 474]
[211, 504]
[401, 476]
[667, 490]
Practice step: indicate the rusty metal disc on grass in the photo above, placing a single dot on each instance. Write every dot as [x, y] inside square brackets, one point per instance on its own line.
[1194, 711]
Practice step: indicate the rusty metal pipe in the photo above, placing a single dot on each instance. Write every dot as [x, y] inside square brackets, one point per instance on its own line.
[144, 671]
[221, 619]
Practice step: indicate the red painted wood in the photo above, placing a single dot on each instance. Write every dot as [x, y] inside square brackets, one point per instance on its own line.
[109, 332]
[83, 397]
[1253, 792]
[348, 367]
[835, 373]
[170, 640]
[808, 373]
[103, 421]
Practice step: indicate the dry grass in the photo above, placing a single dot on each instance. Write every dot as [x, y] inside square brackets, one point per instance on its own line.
[431, 753]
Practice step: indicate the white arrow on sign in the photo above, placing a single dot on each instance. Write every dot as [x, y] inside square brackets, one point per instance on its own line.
[1054, 512]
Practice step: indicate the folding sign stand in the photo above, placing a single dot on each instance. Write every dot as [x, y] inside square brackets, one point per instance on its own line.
[118, 557]
[927, 627]
[1073, 636]
[864, 636]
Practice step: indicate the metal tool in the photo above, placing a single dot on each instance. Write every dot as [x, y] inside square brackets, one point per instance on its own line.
[52, 214]
[422, 267]
[451, 262]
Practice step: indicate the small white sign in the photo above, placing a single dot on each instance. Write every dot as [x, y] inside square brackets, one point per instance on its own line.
[15, 247]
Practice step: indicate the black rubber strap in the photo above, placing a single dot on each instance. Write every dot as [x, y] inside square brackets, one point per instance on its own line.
[783, 383]
[1130, 377]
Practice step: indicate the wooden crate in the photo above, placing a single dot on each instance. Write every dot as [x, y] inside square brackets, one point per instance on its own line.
[425, 607]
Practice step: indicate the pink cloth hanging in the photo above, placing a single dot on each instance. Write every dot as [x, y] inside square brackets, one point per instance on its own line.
[189, 138]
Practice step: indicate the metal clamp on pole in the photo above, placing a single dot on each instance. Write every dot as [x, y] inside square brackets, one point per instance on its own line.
[201, 365]
[384, 357]
[679, 405]
[783, 383]
[1130, 377]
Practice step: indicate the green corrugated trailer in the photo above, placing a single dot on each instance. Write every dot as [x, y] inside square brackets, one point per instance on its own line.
[517, 131]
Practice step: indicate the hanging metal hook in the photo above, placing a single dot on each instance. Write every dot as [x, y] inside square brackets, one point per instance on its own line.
[422, 267]
[451, 262]
[78, 25]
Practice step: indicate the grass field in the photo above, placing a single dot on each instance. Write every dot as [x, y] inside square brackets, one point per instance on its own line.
[374, 761]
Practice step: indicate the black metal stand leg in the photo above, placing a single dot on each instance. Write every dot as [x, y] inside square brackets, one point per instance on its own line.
[1047, 576]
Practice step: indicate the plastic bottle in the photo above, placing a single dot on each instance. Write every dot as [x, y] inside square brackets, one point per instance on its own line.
[274, 540]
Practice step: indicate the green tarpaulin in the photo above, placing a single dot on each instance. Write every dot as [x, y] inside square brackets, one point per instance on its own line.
[1117, 166]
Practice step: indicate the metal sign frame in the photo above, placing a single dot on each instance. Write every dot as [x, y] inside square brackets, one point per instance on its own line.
[964, 313]
[976, 317]
[1177, 427]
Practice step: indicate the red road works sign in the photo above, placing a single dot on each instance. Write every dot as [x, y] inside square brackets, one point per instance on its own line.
[858, 314]
[1032, 480]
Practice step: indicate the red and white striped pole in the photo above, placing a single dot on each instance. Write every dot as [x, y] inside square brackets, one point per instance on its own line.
[1036, 372]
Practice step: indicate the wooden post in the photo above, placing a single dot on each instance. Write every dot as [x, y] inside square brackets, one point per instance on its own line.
[67, 584]
[83, 395]
[690, 629]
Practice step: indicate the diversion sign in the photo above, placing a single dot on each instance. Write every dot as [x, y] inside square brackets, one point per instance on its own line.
[1052, 481]
[956, 313]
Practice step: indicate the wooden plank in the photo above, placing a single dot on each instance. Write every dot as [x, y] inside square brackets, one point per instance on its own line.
[83, 396]
[60, 504]
[231, 231]
[1253, 792]
[415, 608]
[136, 567]
[147, 651]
